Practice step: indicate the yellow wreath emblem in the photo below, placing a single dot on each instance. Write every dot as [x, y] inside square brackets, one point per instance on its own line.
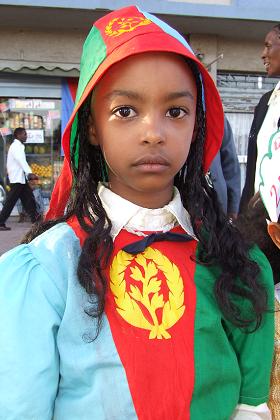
[118, 26]
[126, 301]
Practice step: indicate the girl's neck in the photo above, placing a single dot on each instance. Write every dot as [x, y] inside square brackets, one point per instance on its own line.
[148, 200]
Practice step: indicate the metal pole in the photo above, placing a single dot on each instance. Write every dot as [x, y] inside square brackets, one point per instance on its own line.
[220, 56]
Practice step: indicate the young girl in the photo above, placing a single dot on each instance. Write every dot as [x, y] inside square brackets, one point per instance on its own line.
[136, 299]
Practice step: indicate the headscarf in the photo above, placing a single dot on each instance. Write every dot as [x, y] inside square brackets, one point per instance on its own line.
[116, 36]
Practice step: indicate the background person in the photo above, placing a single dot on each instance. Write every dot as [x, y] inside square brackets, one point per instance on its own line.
[37, 192]
[225, 174]
[18, 172]
[266, 117]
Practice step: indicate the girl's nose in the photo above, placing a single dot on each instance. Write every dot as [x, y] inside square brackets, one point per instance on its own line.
[153, 132]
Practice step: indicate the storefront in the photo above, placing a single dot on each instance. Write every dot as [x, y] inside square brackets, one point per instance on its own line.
[240, 93]
[33, 102]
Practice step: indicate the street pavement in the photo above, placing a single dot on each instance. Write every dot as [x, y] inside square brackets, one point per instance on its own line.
[11, 238]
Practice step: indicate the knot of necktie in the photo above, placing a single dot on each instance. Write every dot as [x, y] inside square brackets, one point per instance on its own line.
[140, 246]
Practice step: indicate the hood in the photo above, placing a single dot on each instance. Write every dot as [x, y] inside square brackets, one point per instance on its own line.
[114, 37]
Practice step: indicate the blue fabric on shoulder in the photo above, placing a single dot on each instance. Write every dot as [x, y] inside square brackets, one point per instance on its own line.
[50, 366]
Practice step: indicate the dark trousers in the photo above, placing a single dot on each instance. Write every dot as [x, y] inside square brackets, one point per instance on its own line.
[25, 194]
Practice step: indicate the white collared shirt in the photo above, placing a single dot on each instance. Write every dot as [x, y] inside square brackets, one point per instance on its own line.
[136, 219]
[17, 167]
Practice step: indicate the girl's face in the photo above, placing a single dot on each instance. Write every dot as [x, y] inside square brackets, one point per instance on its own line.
[142, 116]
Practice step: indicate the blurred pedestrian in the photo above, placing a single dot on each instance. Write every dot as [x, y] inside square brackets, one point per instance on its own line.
[266, 117]
[37, 192]
[18, 172]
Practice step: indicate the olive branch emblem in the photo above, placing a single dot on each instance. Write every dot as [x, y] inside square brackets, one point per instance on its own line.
[127, 302]
[118, 26]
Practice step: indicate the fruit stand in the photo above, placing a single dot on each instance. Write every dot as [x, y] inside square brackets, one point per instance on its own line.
[41, 118]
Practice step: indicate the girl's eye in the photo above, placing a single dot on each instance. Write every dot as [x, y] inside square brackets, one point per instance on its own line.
[125, 112]
[176, 113]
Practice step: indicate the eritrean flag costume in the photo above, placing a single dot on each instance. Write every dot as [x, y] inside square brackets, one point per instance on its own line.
[165, 351]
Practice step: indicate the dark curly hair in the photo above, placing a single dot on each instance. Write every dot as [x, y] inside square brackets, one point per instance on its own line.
[253, 224]
[220, 242]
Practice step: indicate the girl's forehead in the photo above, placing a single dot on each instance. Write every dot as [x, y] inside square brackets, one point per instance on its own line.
[144, 67]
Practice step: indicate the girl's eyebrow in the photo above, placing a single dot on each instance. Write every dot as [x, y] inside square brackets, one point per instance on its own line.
[125, 93]
[134, 95]
[177, 95]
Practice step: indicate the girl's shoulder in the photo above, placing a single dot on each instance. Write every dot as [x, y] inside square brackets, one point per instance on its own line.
[49, 260]
[58, 241]
[255, 254]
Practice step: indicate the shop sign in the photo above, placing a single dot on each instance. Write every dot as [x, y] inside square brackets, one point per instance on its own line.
[35, 136]
[30, 104]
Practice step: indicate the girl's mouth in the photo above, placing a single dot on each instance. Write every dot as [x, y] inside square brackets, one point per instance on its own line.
[150, 163]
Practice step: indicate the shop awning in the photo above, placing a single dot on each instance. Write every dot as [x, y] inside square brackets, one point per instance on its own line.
[40, 67]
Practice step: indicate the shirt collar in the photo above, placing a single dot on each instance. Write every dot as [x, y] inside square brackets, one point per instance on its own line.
[275, 94]
[18, 141]
[124, 214]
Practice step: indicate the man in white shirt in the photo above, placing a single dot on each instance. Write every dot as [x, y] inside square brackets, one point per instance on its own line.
[18, 172]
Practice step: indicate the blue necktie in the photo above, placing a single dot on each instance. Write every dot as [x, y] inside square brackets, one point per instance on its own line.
[140, 246]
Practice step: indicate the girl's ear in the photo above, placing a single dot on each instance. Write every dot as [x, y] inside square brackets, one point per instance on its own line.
[274, 232]
[92, 131]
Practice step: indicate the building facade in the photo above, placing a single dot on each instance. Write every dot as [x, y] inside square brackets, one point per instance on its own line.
[40, 48]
